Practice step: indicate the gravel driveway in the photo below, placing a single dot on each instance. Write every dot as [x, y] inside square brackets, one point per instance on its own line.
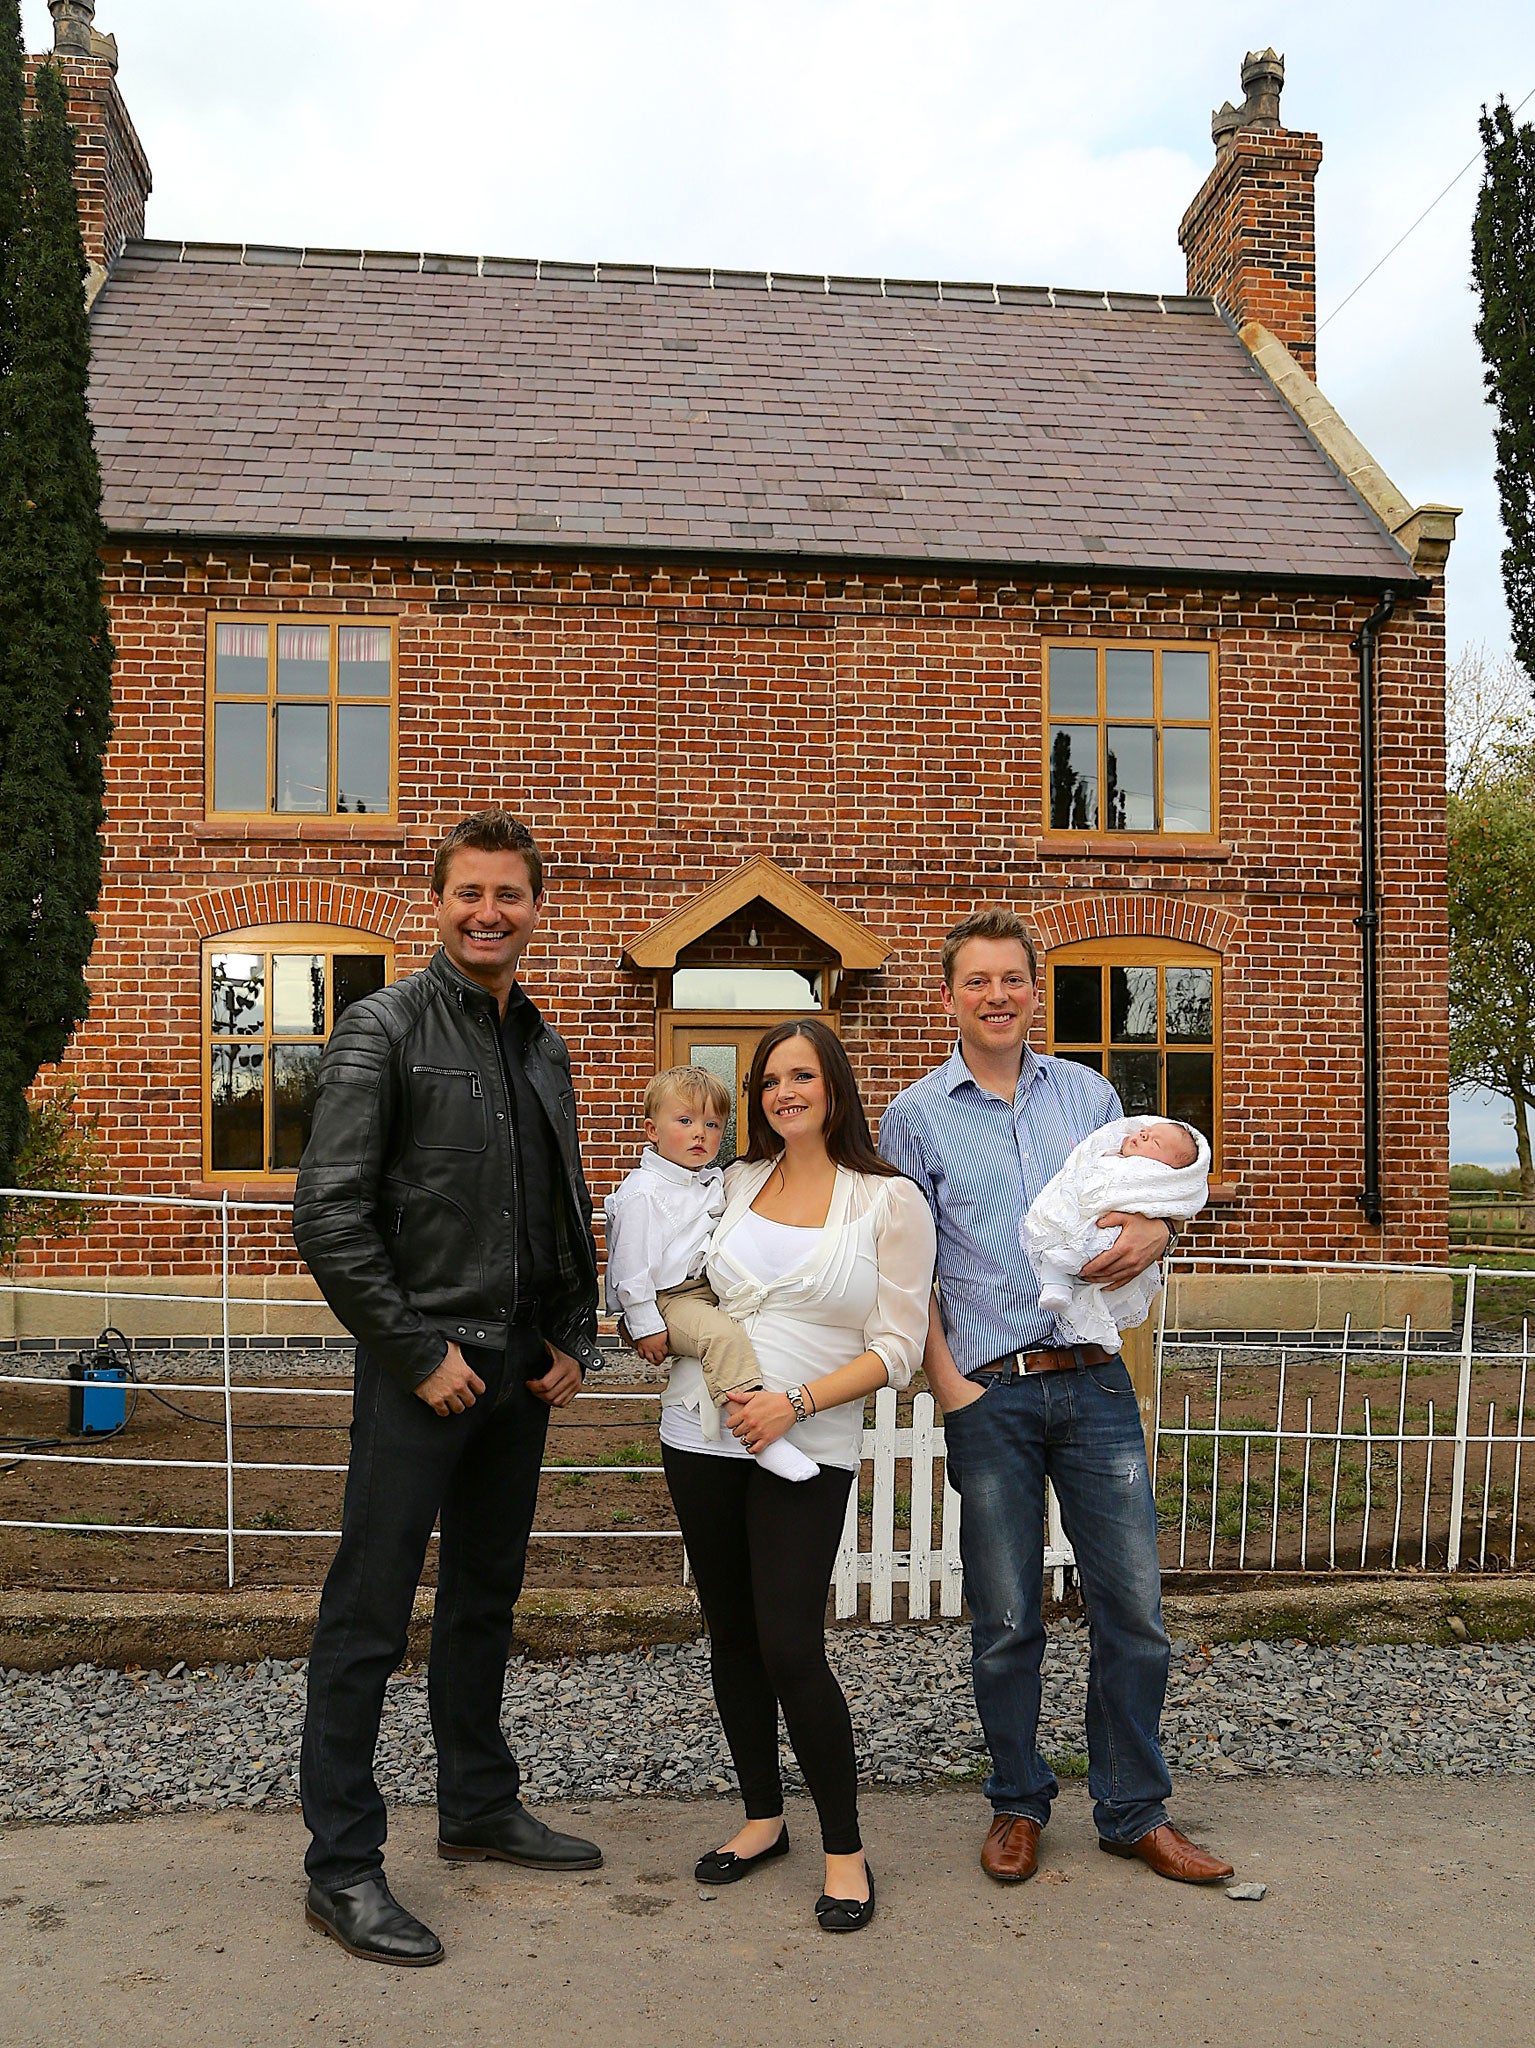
[89, 1743]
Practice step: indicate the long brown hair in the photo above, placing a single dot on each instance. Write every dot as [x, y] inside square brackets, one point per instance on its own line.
[846, 1130]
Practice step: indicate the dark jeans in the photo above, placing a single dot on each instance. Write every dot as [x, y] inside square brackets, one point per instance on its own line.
[1082, 1430]
[762, 1551]
[479, 1470]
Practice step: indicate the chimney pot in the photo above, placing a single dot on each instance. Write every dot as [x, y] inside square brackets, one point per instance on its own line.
[1263, 82]
[72, 26]
[1224, 123]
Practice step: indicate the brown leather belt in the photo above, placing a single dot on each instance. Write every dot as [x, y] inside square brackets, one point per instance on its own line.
[1067, 1358]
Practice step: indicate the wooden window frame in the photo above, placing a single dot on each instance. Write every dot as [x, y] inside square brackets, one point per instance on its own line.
[332, 621]
[1144, 952]
[269, 939]
[1081, 835]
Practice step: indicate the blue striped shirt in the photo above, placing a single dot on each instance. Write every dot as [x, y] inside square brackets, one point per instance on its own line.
[981, 1162]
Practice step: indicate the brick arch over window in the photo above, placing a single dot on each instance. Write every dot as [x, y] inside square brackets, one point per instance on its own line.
[1191, 923]
[299, 901]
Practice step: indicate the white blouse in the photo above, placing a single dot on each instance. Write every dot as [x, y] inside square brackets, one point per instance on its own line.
[863, 1284]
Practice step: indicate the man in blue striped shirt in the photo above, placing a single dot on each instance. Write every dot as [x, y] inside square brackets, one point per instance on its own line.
[980, 1137]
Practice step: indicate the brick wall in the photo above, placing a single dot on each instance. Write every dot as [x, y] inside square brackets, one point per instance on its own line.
[879, 738]
[1250, 235]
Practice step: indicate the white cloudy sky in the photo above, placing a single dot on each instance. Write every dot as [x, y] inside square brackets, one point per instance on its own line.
[1034, 143]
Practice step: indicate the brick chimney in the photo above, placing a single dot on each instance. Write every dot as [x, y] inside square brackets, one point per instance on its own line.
[112, 171]
[1250, 235]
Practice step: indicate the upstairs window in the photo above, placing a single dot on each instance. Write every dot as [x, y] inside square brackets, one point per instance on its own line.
[271, 998]
[301, 717]
[1145, 1013]
[1130, 739]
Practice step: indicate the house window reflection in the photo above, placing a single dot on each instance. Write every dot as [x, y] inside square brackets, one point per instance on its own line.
[1147, 1017]
[270, 1008]
[1129, 738]
[291, 730]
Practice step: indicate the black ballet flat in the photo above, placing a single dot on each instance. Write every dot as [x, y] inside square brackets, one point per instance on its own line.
[845, 1916]
[724, 1866]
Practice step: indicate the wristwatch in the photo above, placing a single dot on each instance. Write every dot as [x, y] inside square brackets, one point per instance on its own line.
[1173, 1235]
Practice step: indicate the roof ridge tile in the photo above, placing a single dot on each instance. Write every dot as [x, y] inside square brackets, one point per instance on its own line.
[552, 270]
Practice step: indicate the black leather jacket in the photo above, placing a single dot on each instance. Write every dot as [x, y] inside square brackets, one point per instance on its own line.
[406, 1188]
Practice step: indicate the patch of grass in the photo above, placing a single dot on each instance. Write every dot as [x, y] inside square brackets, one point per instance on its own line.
[270, 1518]
[646, 1452]
[1070, 1763]
[902, 1504]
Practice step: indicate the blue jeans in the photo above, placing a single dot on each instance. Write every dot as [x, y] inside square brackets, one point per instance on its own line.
[1082, 1431]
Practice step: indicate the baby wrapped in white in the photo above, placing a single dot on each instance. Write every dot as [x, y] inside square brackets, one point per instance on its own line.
[1139, 1164]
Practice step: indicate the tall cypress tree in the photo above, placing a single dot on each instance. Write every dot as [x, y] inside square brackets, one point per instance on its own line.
[55, 654]
[13, 165]
[1503, 263]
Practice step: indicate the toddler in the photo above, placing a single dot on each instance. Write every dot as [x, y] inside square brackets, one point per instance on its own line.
[1145, 1165]
[660, 1220]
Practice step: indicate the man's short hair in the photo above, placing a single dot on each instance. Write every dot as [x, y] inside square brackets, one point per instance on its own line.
[489, 832]
[996, 921]
[695, 1086]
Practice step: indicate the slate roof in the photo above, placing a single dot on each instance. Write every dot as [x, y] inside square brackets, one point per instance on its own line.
[349, 396]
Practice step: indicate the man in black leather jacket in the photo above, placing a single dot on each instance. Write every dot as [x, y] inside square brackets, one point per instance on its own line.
[442, 1208]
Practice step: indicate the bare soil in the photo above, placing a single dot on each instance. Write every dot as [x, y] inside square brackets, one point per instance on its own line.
[274, 1505]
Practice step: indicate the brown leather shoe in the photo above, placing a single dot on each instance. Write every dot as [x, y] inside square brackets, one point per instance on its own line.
[1173, 1855]
[1011, 1849]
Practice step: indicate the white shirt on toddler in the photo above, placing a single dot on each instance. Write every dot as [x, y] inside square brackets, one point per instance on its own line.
[1061, 1235]
[660, 1219]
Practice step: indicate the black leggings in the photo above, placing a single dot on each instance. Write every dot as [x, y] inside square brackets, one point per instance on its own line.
[762, 1551]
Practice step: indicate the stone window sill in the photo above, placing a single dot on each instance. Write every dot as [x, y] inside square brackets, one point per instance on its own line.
[1225, 1194]
[279, 1188]
[1128, 846]
[313, 831]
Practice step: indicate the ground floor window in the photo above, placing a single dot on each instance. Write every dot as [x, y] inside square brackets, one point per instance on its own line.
[270, 999]
[1145, 1013]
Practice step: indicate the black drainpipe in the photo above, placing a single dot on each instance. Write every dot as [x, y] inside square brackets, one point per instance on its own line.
[1366, 642]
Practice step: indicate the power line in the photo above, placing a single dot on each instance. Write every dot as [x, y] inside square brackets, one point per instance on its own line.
[1422, 217]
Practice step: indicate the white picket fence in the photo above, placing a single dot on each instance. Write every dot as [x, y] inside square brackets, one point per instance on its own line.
[924, 1562]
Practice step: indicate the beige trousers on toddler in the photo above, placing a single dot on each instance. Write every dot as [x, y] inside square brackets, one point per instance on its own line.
[697, 1327]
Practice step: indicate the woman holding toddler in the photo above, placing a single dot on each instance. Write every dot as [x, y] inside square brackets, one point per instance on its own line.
[824, 1258]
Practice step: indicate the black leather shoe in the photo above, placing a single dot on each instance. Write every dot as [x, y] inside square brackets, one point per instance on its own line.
[724, 1866]
[845, 1916]
[515, 1837]
[370, 1923]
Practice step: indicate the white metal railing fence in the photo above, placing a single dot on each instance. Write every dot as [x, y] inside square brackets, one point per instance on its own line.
[1374, 1449]
[116, 1293]
[1330, 1476]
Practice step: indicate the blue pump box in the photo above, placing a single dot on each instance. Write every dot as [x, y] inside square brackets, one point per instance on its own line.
[100, 1406]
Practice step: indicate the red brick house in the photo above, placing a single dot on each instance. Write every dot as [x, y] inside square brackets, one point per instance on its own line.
[797, 615]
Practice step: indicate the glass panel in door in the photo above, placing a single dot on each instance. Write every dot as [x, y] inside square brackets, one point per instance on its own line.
[719, 1053]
